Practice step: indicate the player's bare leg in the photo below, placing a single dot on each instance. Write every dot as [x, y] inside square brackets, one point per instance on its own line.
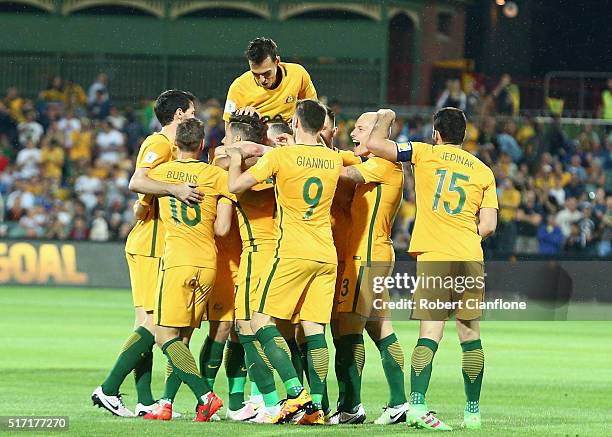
[135, 355]
[392, 356]
[171, 341]
[277, 351]
[430, 334]
[472, 367]
[263, 387]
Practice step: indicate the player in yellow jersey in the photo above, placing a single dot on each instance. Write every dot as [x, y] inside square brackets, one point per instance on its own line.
[299, 280]
[144, 249]
[456, 209]
[271, 88]
[255, 210]
[369, 253]
[189, 262]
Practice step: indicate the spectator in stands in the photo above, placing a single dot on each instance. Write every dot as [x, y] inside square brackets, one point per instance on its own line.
[605, 246]
[99, 227]
[509, 202]
[568, 216]
[134, 132]
[52, 159]
[115, 118]
[453, 96]
[606, 101]
[14, 103]
[587, 228]
[109, 143]
[508, 144]
[99, 109]
[79, 229]
[98, 90]
[75, 98]
[28, 160]
[528, 217]
[54, 91]
[30, 129]
[550, 237]
[472, 99]
[69, 124]
[506, 96]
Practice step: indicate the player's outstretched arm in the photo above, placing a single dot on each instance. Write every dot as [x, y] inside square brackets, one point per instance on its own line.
[378, 142]
[238, 182]
[223, 221]
[143, 184]
[487, 222]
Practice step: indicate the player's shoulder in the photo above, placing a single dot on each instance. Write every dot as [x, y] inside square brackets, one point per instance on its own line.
[157, 138]
[243, 80]
[481, 167]
[292, 68]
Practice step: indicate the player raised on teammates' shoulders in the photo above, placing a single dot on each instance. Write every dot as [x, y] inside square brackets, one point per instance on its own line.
[271, 88]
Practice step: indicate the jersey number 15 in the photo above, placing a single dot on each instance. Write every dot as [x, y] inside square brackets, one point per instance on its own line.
[452, 187]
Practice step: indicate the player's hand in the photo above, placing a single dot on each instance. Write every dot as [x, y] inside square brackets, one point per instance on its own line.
[187, 193]
[284, 140]
[140, 210]
[248, 110]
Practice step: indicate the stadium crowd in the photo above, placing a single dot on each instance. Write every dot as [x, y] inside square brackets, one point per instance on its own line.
[66, 159]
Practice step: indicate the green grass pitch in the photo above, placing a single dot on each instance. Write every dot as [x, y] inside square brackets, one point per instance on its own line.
[541, 378]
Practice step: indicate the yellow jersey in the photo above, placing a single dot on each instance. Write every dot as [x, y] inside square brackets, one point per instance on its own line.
[190, 236]
[256, 208]
[305, 183]
[278, 103]
[341, 207]
[373, 210]
[147, 236]
[451, 186]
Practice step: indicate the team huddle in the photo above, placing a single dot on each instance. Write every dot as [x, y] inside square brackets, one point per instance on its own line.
[279, 237]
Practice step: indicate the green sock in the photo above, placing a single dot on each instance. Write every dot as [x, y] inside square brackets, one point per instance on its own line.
[472, 367]
[260, 370]
[184, 365]
[142, 377]
[296, 359]
[236, 374]
[420, 369]
[318, 364]
[254, 389]
[354, 359]
[211, 356]
[172, 385]
[392, 356]
[140, 342]
[277, 351]
[340, 368]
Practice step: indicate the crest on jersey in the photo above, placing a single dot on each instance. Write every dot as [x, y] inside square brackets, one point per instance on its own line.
[290, 99]
[150, 158]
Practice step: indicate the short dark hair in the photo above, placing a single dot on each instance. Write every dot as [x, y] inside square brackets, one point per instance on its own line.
[311, 115]
[450, 123]
[169, 101]
[277, 127]
[189, 135]
[250, 127]
[331, 114]
[261, 48]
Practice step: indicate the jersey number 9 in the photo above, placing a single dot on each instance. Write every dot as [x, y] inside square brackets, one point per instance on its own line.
[312, 201]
